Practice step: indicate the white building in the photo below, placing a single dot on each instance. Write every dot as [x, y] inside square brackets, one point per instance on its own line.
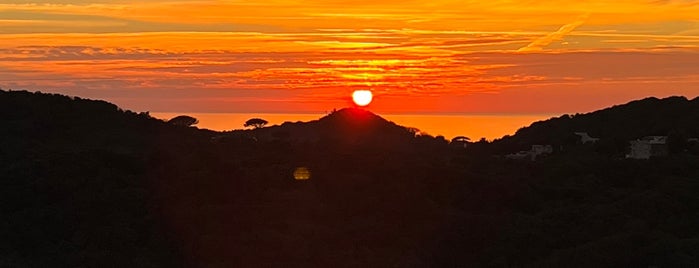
[648, 146]
[542, 149]
[518, 155]
[585, 138]
[536, 150]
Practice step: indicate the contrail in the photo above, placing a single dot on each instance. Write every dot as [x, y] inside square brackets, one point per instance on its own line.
[544, 41]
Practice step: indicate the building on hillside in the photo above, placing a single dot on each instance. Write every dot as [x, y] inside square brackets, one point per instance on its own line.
[647, 147]
[537, 150]
[585, 138]
[518, 155]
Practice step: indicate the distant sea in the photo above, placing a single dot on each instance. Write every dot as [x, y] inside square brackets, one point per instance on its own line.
[449, 126]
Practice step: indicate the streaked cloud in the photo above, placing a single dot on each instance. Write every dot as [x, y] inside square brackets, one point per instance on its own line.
[207, 55]
[540, 43]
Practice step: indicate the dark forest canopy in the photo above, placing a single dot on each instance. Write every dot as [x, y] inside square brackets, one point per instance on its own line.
[615, 125]
[86, 184]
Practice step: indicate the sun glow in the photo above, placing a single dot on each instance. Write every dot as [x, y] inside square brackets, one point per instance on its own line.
[362, 97]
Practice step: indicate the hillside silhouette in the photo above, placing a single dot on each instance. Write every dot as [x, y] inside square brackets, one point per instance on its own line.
[85, 183]
[674, 116]
[348, 126]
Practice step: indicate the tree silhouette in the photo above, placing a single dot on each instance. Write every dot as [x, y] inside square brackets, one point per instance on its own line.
[183, 120]
[255, 123]
[460, 139]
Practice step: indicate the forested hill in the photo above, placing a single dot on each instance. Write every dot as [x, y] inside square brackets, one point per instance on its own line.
[74, 183]
[59, 116]
[675, 116]
[86, 184]
[348, 125]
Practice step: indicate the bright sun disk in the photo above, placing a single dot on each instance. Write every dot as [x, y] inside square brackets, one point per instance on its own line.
[362, 97]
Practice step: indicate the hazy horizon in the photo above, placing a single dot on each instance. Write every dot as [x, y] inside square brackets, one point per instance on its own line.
[449, 126]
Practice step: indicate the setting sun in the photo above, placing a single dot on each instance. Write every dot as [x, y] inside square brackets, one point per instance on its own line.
[245, 133]
[362, 97]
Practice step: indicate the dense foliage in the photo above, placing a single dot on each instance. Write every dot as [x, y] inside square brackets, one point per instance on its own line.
[615, 126]
[85, 184]
[183, 120]
[255, 123]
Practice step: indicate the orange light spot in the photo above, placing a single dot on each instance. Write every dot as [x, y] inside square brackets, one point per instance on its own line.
[302, 173]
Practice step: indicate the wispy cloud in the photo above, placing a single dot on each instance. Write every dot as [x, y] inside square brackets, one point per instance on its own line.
[207, 54]
[540, 43]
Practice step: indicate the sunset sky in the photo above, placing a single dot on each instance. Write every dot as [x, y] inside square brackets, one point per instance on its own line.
[438, 56]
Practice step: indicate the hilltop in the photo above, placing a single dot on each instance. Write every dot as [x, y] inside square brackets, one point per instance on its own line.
[348, 125]
[85, 183]
[615, 126]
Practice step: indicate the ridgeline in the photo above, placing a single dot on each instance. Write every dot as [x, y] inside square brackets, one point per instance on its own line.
[86, 184]
[674, 116]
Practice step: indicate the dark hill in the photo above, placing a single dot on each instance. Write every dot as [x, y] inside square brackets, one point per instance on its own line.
[86, 184]
[73, 190]
[618, 124]
[346, 126]
[359, 123]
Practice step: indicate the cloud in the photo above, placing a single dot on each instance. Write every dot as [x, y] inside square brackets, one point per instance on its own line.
[544, 41]
[683, 2]
[321, 49]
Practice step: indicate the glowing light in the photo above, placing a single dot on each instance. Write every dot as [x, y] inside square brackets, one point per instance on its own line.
[302, 173]
[362, 97]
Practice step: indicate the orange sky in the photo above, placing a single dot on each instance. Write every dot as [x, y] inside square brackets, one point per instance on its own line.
[439, 56]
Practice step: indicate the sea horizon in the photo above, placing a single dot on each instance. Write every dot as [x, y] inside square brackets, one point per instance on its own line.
[449, 125]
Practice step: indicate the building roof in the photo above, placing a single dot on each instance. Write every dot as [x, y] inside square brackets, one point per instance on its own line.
[655, 139]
